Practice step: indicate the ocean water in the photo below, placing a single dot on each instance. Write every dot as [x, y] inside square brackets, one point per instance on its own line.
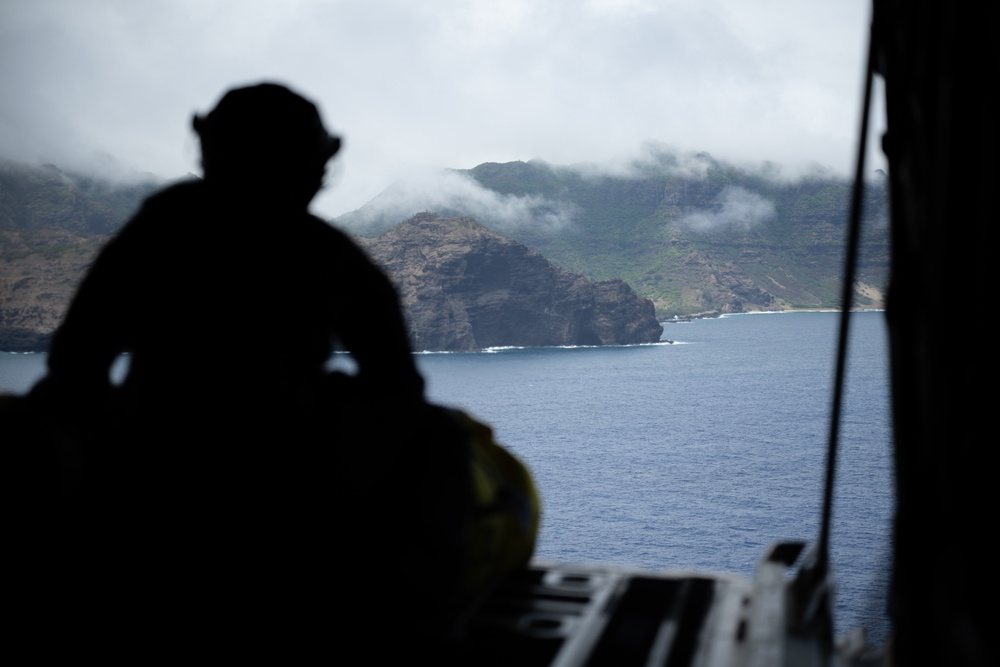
[698, 455]
[695, 455]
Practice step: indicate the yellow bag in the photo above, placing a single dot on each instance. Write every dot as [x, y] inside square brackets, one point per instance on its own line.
[502, 526]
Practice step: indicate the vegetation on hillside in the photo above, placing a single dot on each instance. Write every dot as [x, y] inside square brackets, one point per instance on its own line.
[693, 234]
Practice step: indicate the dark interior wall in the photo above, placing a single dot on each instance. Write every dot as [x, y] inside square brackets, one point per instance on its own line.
[940, 63]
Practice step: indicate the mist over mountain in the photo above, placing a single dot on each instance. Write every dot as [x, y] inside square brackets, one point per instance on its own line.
[692, 233]
[455, 192]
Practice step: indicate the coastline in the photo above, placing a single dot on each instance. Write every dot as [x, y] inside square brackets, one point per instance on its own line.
[680, 319]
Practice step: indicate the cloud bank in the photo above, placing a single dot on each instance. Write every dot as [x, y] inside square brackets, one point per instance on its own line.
[735, 208]
[439, 83]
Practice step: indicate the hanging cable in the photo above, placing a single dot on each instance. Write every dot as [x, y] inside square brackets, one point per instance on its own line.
[850, 267]
[811, 583]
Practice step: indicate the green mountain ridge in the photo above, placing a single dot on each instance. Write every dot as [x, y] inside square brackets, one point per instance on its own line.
[712, 237]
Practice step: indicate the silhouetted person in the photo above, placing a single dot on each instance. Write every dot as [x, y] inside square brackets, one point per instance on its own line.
[230, 471]
[227, 293]
[231, 492]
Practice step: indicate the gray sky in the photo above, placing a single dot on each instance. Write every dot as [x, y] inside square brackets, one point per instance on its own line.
[440, 83]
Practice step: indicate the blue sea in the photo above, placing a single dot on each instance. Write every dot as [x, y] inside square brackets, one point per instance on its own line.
[693, 455]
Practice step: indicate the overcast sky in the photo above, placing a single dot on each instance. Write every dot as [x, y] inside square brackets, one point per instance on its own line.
[440, 83]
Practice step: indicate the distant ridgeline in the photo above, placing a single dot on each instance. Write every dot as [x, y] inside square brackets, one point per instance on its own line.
[693, 234]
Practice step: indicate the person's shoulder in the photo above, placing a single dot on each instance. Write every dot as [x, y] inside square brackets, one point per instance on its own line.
[331, 241]
[184, 192]
[161, 209]
[325, 231]
[187, 195]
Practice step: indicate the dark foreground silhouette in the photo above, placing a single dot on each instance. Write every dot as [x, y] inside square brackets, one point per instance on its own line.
[231, 490]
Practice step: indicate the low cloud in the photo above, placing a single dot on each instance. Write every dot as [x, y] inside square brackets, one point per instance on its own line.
[453, 193]
[735, 208]
[655, 155]
[651, 157]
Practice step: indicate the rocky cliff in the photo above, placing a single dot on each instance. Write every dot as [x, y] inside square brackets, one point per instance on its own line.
[466, 288]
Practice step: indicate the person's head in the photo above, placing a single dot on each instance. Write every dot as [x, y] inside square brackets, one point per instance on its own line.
[265, 136]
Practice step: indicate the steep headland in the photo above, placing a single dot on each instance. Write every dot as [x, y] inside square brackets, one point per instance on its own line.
[466, 288]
